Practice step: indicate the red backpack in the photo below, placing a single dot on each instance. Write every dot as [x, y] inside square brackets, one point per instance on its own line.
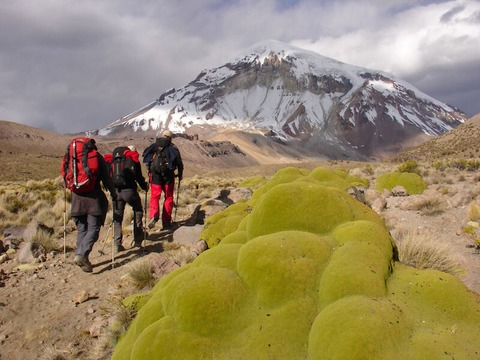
[80, 165]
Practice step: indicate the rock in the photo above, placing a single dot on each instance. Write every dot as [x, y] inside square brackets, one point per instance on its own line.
[370, 196]
[25, 267]
[473, 224]
[239, 194]
[96, 327]
[460, 199]
[14, 232]
[13, 237]
[33, 227]
[379, 204]
[81, 297]
[358, 193]
[399, 191]
[212, 206]
[29, 252]
[3, 258]
[188, 236]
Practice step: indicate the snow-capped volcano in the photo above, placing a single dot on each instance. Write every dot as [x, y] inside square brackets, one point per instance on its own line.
[299, 95]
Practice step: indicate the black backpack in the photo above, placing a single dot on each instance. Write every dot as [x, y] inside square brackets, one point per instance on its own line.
[123, 168]
[160, 162]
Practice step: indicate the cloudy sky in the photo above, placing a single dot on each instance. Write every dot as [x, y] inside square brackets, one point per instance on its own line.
[76, 65]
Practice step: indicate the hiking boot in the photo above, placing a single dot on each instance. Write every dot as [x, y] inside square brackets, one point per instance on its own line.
[137, 243]
[119, 248]
[83, 263]
[152, 223]
[167, 226]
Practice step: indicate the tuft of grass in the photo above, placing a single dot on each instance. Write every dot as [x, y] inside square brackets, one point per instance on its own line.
[473, 212]
[409, 166]
[422, 251]
[141, 274]
[429, 206]
[52, 353]
[179, 254]
[121, 316]
[46, 240]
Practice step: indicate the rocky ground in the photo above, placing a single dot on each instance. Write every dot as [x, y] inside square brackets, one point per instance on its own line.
[53, 310]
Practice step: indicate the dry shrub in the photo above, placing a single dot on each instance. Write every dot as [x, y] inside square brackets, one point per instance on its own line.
[429, 205]
[141, 274]
[46, 240]
[473, 212]
[422, 251]
[52, 353]
[179, 254]
[121, 316]
[40, 200]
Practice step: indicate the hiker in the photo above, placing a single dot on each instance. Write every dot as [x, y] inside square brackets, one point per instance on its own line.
[89, 204]
[126, 174]
[162, 159]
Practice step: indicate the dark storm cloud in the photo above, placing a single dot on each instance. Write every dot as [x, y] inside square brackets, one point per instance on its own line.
[74, 66]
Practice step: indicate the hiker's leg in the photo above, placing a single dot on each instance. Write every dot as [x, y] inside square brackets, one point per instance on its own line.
[94, 224]
[156, 192]
[81, 223]
[133, 199]
[118, 211]
[168, 203]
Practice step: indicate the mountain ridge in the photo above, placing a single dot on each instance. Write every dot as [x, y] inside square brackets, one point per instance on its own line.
[333, 109]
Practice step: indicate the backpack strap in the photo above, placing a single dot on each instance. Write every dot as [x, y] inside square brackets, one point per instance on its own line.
[86, 148]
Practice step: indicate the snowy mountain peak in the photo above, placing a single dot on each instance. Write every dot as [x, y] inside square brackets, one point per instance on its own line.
[298, 95]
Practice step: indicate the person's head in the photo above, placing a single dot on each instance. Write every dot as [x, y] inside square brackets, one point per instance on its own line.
[132, 147]
[167, 134]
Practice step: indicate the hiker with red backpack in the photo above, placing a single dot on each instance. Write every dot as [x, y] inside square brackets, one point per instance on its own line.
[83, 169]
[162, 158]
[126, 174]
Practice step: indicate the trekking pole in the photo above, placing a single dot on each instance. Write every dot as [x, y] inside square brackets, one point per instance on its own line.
[65, 224]
[101, 252]
[176, 202]
[113, 234]
[145, 219]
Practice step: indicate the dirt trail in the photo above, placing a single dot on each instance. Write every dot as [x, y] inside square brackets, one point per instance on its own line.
[55, 305]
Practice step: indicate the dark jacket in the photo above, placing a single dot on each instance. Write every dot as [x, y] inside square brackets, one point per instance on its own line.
[174, 163]
[95, 202]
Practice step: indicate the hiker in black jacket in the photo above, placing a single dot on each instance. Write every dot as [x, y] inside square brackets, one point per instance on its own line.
[162, 166]
[127, 194]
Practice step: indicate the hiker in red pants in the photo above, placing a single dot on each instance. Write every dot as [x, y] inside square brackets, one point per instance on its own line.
[165, 160]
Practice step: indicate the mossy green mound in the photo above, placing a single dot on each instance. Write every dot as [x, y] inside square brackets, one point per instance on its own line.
[253, 182]
[308, 274]
[307, 198]
[223, 223]
[412, 182]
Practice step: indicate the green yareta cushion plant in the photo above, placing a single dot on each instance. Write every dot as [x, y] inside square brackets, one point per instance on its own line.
[412, 182]
[309, 273]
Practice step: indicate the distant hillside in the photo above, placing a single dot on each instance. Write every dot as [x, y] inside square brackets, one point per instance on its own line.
[459, 143]
[28, 153]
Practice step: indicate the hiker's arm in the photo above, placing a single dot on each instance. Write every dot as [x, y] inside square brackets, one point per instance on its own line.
[106, 178]
[179, 165]
[139, 177]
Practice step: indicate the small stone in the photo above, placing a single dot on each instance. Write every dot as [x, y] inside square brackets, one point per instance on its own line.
[81, 297]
